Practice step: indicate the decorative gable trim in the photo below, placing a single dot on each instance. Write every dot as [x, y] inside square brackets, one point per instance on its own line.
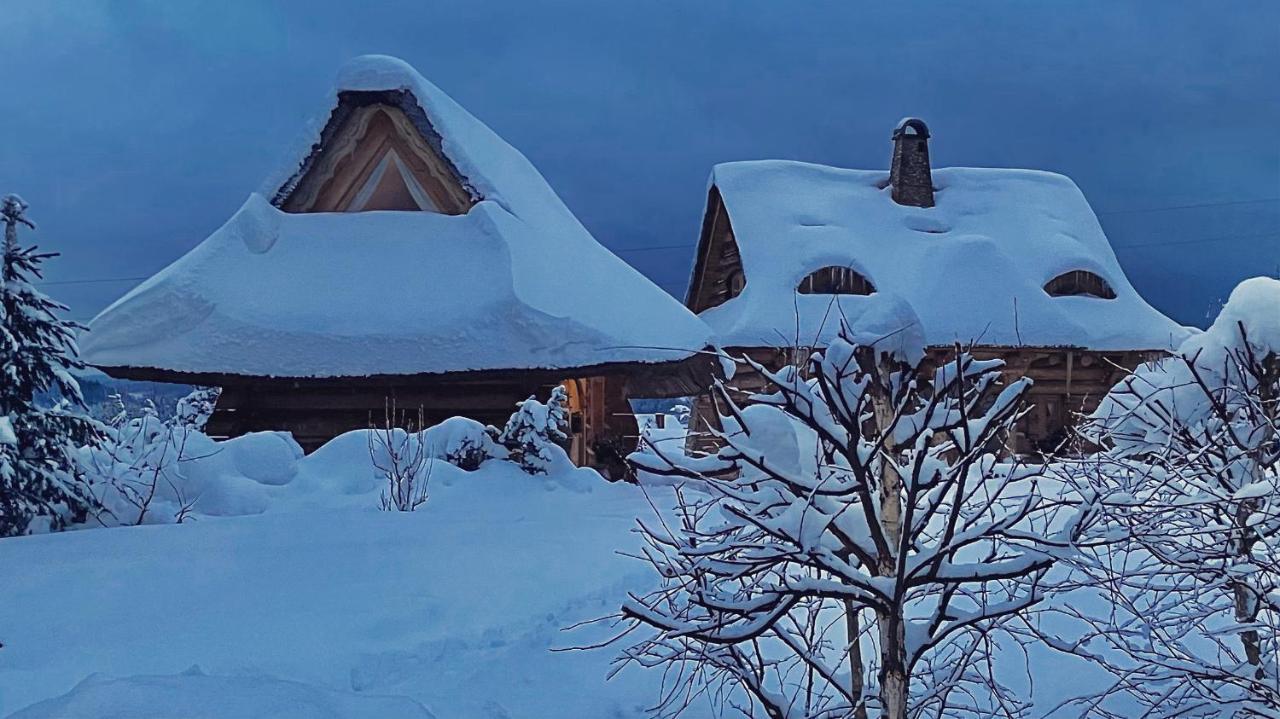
[368, 134]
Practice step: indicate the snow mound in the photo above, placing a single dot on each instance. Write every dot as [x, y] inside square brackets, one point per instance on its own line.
[1136, 412]
[973, 267]
[391, 293]
[1253, 305]
[194, 695]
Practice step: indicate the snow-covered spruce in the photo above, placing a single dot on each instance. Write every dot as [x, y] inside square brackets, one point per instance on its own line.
[1191, 448]
[39, 485]
[855, 547]
[535, 436]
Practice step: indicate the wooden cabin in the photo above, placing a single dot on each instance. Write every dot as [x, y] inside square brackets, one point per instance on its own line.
[409, 255]
[1010, 263]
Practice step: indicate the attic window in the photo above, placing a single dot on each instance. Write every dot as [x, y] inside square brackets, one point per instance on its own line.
[375, 157]
[1079, 283]
[391, 186]
[835, 280]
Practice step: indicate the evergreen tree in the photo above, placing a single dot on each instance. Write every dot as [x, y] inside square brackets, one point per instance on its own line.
[194, 410]
[39, 478]
[535, 434]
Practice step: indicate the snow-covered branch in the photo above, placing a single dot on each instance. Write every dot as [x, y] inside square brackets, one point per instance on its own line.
[857, 525]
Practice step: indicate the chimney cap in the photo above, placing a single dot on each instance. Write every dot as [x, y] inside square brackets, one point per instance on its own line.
[914, 123]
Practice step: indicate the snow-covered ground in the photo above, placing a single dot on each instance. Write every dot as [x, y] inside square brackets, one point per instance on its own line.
[315, 604]
[455, 606]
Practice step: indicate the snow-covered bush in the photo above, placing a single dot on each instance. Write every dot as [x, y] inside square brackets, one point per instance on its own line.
[463, 442]
[137, 465]
[854, 545]
[1190, 464]
[194, 410]
[535, 435]
[682, 414]
[39, 483]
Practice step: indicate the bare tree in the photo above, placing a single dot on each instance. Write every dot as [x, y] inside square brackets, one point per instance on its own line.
[1191, 592]
[401, 457]
[856, 541]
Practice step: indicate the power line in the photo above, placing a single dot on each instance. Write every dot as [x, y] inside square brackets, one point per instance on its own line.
[1202, 240]
[95, 280]
[1227, 203]
[652, 249]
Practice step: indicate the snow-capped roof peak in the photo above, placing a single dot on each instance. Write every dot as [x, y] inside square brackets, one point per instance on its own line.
[376, 72]
[515, 282]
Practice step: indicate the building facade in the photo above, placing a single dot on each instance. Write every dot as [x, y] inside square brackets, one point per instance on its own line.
[410, 255]
[1009, 264]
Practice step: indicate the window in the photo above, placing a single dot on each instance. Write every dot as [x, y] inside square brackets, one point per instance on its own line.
[735, 282]
[391, 186]
[835, 281]
[1079, 283]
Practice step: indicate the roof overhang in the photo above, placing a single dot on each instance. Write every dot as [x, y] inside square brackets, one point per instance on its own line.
[677, 378]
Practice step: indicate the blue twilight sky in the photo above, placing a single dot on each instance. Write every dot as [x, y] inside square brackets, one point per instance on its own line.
[135, 128]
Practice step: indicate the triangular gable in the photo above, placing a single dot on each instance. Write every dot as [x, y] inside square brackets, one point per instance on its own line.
[717, 273]
[373, 155]
[391, 186]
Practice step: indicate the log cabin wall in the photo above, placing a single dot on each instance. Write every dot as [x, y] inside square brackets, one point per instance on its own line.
[315, 411]
[718, 276]
[1066, 384]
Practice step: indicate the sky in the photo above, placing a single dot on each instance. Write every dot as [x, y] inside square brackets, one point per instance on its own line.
[135, 129]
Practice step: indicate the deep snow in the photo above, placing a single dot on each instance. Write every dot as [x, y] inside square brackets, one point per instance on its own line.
[313, 598]
[455, 605]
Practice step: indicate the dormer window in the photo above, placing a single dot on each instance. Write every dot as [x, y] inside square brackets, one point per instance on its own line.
[835, 280]
[1079, 283]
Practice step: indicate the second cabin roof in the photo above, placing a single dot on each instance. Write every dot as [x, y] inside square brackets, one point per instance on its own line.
[974, 268]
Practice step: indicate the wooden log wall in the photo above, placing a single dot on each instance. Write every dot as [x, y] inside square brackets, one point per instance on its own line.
[1066, 384]
[315, 411]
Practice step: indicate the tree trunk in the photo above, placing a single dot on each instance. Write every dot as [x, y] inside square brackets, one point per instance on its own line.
[893, 645]
[855, 659]
[893, 667]
[1246, 603]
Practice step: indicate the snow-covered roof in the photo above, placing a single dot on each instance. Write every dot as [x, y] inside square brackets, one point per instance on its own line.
[973, 267]
[515, 283]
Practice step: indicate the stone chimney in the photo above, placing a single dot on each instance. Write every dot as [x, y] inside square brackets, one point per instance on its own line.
[909, 175]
